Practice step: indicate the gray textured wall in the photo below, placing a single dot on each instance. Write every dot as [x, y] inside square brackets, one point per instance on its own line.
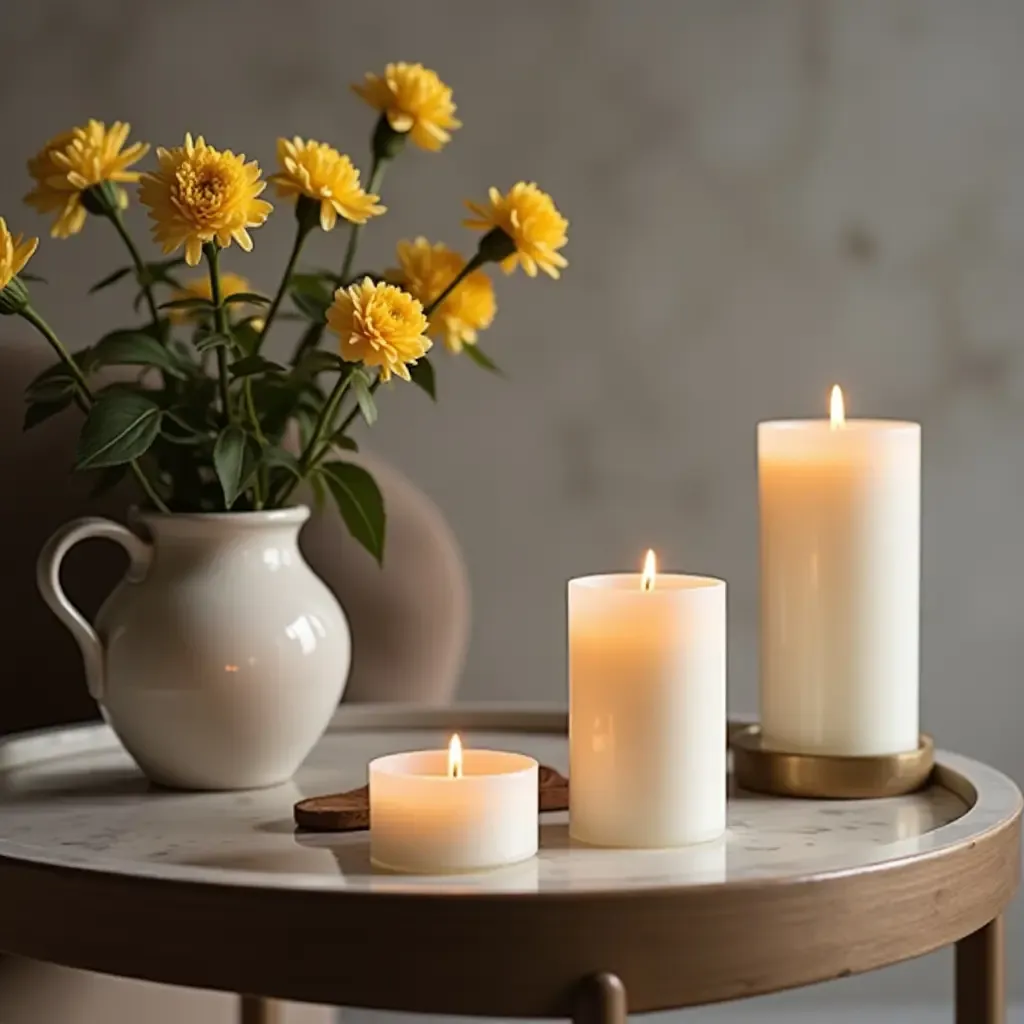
[765, 196]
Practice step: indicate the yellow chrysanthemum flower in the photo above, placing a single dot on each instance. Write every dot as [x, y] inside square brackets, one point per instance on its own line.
[379, 325]
[76, 160]
[414, 100]
[425, 271]
[200, 288]
[320, 172]
[201, 194]
[15, 252]
[530, 219]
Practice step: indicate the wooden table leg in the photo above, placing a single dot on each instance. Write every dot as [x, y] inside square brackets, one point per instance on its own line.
[980, 976]
[601, 999]
[257, 1010]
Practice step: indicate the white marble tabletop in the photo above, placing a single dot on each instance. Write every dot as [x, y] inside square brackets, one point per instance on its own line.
[73, 798]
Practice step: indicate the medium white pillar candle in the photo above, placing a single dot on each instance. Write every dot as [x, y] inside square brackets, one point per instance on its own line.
[438, 811]
[646, 710]
[840, 567]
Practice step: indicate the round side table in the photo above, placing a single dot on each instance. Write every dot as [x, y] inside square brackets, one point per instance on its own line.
[98, 870]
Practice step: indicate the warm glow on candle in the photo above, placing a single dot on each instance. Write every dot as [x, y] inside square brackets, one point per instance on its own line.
[455, 757]
[837, 411]
[650, 571]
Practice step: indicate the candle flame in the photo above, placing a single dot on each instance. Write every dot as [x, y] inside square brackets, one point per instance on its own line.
[837, 410]
[650, 571]
[455, 757]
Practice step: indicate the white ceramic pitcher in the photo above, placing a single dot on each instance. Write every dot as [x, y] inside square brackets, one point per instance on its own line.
[220, 657]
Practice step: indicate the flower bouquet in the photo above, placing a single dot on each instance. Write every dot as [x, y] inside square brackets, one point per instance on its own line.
[207, 422]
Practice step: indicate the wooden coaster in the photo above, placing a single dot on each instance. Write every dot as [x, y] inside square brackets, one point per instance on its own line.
[350, 812]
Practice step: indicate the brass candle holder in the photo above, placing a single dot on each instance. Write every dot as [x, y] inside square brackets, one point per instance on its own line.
[780, 773]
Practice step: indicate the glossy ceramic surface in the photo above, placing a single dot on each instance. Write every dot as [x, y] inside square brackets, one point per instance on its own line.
[221, 656]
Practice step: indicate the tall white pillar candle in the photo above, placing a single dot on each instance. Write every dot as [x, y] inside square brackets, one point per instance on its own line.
[840, 565]
[646, 710]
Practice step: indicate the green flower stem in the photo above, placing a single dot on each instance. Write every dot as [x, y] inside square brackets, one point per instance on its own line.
[261, 482]
[300, 237]
[57, 345]
[115, 218]
[324, 421]
[373, 187]
[250, 406]
[220, 320]
[84, 395]
[310, 456]
[474, 264]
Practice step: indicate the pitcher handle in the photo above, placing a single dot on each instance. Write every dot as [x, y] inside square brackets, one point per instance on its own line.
[48, 581]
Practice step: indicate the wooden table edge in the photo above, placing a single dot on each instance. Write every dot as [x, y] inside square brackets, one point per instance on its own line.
[510, 955]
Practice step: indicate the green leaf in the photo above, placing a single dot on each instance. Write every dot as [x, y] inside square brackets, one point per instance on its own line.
[120, 387]
[184, 440]
[110, 279]
[120, 427]
[317, 360]
[482, 360]
[185, 426]
[247, 334]
[38, 412]
[422, 374]
[314, 311]
[195, 303]
[157, 331]
[306, 419]
[315, 281]
[312, 302]
[54, 382]
[249, 298]
[319, 489]
[360, 503]
[319, 286]
[236, 457]
[168, 264]
[160, 273]
[58, 379]
[364, 397]
[341, 440]
[279, 458]
[275, 397]
[183, 353]
[249, 366]
[135, 348]
[208, 342]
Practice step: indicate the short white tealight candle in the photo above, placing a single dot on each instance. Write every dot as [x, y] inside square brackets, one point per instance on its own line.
[455, 810]
[647, 719]
[840, 593]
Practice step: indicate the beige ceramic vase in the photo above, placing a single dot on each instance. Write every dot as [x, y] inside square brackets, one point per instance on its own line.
[221, 656]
